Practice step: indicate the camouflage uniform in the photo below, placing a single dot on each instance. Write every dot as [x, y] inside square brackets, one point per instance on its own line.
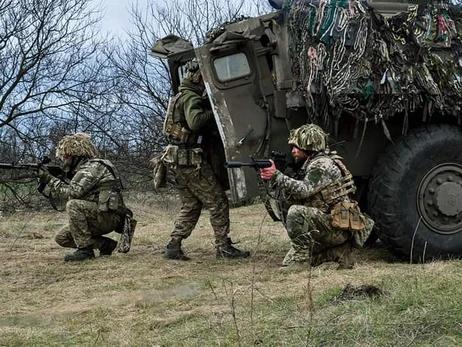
[197, 188]
[88, 219]
[189, 158]
[95, 204]
[308, 220]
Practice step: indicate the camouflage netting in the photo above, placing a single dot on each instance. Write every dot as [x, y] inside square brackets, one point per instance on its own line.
[77, 145]
[374, 67]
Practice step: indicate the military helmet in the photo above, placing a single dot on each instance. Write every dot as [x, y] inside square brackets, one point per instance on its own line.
[308, 137]
[78, 145]
[194, 73]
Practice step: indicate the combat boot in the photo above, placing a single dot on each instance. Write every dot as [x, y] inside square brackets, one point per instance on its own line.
[173, 250]
[80, 254]
[107, 246]
[226, 250]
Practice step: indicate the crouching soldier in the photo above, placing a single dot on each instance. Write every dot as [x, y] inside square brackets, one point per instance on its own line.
[95, 205]
[323, 222]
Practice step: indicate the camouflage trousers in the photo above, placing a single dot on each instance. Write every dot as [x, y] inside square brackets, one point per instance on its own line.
[198, 188]
[86, 225]
[311, 233]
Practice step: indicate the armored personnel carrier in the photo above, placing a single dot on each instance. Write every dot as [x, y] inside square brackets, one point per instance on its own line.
[383, 79]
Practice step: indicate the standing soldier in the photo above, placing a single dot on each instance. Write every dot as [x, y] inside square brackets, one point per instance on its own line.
[95, 206]
[323, 222]
[190, 132]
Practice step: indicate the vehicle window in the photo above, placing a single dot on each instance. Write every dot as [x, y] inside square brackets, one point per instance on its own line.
[231, 67]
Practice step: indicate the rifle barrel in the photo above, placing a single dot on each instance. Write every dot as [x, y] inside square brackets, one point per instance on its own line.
[20, 166]
[53, 169]
[257, 164]
[235, 164]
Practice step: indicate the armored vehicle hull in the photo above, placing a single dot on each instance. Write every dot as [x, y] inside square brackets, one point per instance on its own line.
[383, 79]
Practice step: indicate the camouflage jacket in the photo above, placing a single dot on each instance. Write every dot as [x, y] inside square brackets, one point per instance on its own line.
[91, 176]
[316, 174]
[190, 112]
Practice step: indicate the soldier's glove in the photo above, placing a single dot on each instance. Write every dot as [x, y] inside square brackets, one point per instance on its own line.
[44, 176]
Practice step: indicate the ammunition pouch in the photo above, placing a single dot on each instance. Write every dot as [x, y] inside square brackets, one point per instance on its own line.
[159, 173]
[109, 201]
[348, 216]
[177, 132]
[184, 157]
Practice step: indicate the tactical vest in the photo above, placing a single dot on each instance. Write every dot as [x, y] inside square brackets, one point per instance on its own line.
[113, 185]
[108, 193]
[324, 199]
[337, 190]
[174, 131]
[340, 188]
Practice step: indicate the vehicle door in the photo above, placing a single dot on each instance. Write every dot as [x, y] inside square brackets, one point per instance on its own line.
[239, 84]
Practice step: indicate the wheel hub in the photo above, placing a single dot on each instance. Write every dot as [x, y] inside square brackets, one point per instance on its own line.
[440, 198]
[448, 199]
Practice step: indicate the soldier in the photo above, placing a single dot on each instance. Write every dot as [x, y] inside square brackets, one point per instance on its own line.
[323, 222]
[190, 130]
[95, 205]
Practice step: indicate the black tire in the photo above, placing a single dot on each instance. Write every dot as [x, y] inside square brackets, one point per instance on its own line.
[415, 194]
[372, 239]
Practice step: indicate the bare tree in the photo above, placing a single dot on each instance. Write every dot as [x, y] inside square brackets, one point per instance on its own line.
[51, 62]
[144, 81]
[58, 76]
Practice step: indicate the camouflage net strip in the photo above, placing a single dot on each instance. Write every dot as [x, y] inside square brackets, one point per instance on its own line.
[373, 67]
[77, 145]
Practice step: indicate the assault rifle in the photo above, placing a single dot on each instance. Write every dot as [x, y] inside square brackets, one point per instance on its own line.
[279, 158]
[54, 170]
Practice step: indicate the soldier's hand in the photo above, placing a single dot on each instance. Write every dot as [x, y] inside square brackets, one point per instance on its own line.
[267, 173]
[44, 176]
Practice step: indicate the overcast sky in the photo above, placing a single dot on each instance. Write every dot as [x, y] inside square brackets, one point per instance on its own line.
[117, 16]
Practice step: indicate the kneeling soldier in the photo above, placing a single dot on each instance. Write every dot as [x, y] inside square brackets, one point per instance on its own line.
[323, 222]
[95, 205]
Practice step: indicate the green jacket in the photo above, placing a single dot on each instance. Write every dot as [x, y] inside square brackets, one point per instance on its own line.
[189, 107]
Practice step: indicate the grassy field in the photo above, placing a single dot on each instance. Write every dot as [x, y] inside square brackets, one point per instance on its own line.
[140, 299]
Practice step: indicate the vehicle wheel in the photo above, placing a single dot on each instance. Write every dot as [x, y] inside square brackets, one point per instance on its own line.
[415, 194]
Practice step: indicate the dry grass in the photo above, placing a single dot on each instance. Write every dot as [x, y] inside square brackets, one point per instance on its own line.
[140, 299]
